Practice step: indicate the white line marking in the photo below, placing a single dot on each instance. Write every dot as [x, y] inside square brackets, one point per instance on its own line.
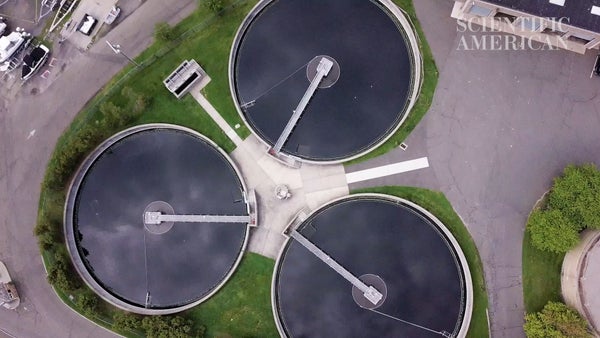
[31, 133]
[6, 333]
[387, 170]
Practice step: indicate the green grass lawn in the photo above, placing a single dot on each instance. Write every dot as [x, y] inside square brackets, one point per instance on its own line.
[210, 46]
[430, 79]
[541, 272]
[541, 276]
[438, 205]
[243, 307]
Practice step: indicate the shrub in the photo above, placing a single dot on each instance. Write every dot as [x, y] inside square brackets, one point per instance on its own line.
[164, 32]
[575, 192]
[570, 208]
[126, 321]
[87, 302]
[556, 320]
[138, 102]
[215, 6]
[163, 327]
[61, 274]
[112, 116]
[551, 231]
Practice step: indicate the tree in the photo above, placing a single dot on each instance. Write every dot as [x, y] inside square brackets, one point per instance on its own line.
[164, 32]
[556, 320]
[216, 6]
[551, 231]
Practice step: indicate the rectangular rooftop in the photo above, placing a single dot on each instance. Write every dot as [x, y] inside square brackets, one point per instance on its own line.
[578, 12]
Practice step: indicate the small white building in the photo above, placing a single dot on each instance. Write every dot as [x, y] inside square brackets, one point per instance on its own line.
[184, 77]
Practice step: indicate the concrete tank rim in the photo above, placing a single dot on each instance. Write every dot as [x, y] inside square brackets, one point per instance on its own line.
[468, 281]
[412, 40]
[577, 260]
[68, 211]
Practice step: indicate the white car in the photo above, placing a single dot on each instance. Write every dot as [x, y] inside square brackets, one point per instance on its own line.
[10, 43]
[33, 61]
[112, 15]
[87, 24]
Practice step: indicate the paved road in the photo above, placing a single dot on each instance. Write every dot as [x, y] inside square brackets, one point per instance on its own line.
[501, 126]
[23, 160]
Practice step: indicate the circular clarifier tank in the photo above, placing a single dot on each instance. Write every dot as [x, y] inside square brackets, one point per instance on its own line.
[357, 102]
[394, 246]
[120, 248]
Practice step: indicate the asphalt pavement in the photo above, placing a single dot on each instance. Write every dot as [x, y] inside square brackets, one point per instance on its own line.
[501, 126]
[30, 123]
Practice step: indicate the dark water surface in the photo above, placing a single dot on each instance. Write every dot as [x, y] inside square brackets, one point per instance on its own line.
[188, 261]
[370, 236]
[354, 114]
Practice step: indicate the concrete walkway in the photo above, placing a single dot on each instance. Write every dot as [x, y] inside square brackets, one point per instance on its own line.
[310, 186]
[387, 170]
[214, 114]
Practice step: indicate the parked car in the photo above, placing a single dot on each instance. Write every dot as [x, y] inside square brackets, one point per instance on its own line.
[112, 15]
[9, 297]
[2, 25]
[87, 24]
[12, 43]
[34, 61]
[596, 69]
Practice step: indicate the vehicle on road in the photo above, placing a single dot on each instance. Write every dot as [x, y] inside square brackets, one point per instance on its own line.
[112, 15]
[596, 69]
[87, 24]
[33, 61]
[9, 297]
[2, 25]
